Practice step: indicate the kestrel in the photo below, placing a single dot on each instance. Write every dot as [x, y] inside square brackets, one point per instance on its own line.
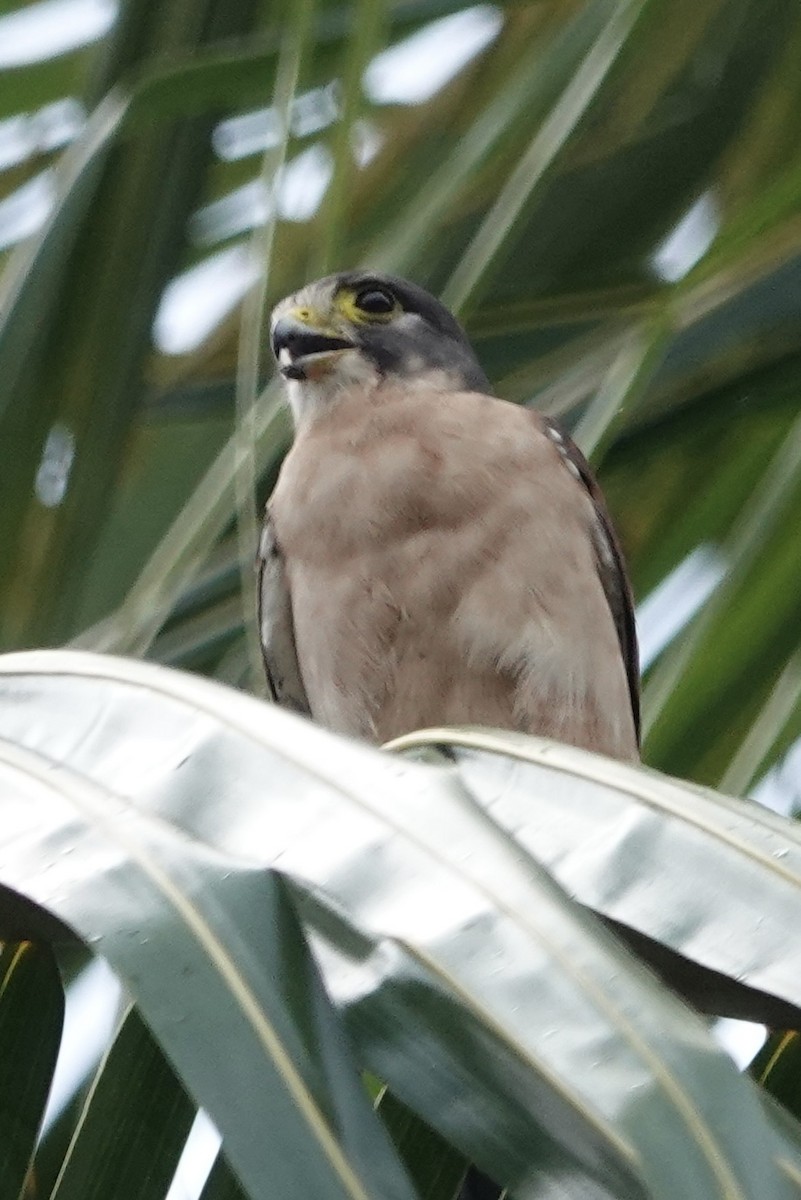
[433, 555]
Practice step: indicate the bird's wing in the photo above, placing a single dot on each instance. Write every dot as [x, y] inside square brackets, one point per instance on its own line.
[611, 564]
[276, 625]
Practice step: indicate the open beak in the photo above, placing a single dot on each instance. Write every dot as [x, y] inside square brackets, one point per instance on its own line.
[303, 352]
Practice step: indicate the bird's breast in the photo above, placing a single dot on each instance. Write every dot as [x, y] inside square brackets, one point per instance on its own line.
[442, 572]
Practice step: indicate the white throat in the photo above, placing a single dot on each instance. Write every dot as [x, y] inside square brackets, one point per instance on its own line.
[310, 397]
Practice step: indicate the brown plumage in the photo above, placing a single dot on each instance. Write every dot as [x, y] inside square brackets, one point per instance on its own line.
[433, 555]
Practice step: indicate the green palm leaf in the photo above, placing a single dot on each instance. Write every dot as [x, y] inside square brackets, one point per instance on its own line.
[610, 192]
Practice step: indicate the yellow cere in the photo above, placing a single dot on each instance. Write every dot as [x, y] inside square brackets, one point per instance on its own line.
[311, 317]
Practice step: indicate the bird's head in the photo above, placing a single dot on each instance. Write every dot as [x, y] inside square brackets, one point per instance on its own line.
[359, 328]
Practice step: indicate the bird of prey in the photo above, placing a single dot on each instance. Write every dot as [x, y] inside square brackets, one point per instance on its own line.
[433, 555]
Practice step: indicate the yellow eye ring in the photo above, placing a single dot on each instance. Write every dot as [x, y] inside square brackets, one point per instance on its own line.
[371, 304]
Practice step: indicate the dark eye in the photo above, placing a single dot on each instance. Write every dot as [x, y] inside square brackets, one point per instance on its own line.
[375, 301]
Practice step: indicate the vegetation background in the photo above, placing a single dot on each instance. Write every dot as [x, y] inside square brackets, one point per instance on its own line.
[608, 192]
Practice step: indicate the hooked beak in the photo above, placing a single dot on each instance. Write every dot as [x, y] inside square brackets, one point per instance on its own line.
[303, 352]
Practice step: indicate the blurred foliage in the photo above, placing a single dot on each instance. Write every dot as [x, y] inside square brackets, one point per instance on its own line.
[608, 192]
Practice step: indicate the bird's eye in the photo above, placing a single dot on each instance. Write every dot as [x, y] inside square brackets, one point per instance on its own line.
[375, 301]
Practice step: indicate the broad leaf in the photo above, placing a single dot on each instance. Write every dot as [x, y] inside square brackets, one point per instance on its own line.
[716, 879]
[459, 965]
